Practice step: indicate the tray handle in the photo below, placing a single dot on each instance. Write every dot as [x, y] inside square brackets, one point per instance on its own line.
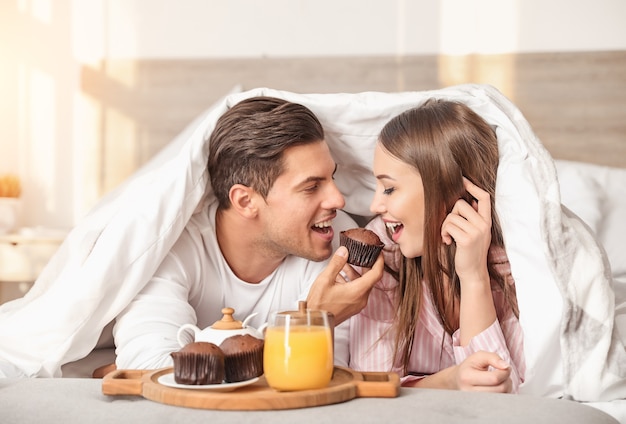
[123, 382]
[378, 384]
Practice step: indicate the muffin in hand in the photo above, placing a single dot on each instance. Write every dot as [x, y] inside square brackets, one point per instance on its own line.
[363, 246]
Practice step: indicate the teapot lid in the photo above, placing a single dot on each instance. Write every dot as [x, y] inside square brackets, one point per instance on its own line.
[227, 322]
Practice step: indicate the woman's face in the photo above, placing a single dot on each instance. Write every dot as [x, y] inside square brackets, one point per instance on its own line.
[399, 199]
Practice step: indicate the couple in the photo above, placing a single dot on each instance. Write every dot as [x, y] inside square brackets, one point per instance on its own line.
[267, 241]
[262, 246]
[162, 251]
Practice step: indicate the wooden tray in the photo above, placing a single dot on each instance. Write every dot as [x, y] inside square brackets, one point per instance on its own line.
[345, 385]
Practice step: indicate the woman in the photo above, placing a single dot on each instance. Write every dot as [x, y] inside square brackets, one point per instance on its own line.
[444, 314]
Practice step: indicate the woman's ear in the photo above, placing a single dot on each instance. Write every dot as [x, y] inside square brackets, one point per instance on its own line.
[242, 200]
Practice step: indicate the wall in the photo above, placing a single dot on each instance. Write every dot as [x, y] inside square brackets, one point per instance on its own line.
[49, 125]
[273, 28]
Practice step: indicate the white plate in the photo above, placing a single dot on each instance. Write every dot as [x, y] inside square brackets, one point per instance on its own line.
[168, 380]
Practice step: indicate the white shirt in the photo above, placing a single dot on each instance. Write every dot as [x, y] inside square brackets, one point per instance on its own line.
[194, 283]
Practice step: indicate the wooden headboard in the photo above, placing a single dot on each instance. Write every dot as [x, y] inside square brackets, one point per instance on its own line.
[576, 102]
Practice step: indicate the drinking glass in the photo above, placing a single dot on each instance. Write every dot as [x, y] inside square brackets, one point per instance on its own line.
[298, 352]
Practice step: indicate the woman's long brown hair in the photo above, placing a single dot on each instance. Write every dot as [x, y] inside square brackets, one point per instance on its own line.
[444, 141]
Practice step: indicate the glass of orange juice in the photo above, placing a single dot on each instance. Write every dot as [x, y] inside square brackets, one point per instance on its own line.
[298, 352]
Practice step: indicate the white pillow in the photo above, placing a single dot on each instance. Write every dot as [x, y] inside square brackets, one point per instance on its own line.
[597, 194]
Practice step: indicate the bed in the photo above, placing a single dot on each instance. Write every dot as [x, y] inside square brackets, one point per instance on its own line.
[585, 200]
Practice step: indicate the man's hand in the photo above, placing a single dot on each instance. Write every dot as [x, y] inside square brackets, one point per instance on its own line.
[343, 297]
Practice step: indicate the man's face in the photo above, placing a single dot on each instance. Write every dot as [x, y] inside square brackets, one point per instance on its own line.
[301, 204]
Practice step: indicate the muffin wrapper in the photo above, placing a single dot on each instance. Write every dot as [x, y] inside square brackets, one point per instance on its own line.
[244, 365]
[198, 368]
[360, 254]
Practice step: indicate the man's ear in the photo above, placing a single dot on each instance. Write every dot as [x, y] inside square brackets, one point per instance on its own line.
[243, 200]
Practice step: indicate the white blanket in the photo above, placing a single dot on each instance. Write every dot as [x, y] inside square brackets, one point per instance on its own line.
[573, 348]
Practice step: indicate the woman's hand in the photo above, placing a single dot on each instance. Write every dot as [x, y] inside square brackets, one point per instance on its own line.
[469, 226]
[481, 372]
[484, 372]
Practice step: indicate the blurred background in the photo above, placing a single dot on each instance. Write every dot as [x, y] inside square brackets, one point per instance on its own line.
[92, 89]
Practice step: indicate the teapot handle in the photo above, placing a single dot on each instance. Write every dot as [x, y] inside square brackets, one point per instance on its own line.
[244, 324]
[183, 330]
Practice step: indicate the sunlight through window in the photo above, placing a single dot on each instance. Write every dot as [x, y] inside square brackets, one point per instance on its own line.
[40, 130]
[477, 38]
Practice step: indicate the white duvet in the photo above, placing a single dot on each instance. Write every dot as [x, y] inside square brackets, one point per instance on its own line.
[574, 336]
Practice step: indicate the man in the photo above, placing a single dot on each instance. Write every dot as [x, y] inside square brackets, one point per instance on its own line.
[259, 246]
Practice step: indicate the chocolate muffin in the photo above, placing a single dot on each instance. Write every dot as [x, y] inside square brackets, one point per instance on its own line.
[199, 363]
[363, 245]
[243, 357]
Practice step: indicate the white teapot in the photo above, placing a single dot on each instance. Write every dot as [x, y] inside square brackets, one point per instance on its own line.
[220, 330]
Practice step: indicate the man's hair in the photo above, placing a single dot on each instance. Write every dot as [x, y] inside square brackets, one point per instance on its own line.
[246, 147]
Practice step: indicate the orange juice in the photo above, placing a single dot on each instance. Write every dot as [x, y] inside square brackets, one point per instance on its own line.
[298, 359]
